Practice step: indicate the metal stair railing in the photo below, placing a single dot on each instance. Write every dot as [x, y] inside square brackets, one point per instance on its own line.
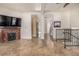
[73, 41]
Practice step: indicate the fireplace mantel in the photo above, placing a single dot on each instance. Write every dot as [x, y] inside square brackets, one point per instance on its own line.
[5, 30]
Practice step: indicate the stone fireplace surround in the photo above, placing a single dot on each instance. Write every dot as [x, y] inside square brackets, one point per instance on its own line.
[5, 30]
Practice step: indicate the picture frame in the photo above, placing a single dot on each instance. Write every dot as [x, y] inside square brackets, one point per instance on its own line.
[57, 23]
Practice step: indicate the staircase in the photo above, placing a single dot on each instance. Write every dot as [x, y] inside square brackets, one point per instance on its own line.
[71, 38]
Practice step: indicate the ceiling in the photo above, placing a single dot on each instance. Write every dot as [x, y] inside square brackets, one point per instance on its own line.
[25, 7]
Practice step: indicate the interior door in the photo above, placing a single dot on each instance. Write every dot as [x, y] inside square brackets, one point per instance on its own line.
[34, 26]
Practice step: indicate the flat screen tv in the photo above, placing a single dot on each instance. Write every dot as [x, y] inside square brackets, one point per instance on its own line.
[7, 21]
[10, 21]
[3, 21]
[16, 22]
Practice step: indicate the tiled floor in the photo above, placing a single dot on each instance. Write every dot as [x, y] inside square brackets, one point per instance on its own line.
[31, 48]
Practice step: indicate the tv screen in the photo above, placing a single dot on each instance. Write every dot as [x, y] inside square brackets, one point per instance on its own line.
[1, 21]
[13, 22]
[16, 22]
[10, 21]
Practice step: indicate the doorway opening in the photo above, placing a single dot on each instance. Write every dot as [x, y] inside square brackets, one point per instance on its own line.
[34, 27]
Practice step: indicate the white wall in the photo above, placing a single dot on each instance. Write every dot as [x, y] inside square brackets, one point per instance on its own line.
[65, 19]
[63, 16]
[74, 18]
[69, 19]
[8, 12]
[26, 25]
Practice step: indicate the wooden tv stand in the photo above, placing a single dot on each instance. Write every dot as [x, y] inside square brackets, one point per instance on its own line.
[5, 30]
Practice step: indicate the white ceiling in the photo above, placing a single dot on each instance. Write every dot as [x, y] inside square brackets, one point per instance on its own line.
[24, 7]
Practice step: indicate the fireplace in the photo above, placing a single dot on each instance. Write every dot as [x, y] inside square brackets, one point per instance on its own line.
[11, 36]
